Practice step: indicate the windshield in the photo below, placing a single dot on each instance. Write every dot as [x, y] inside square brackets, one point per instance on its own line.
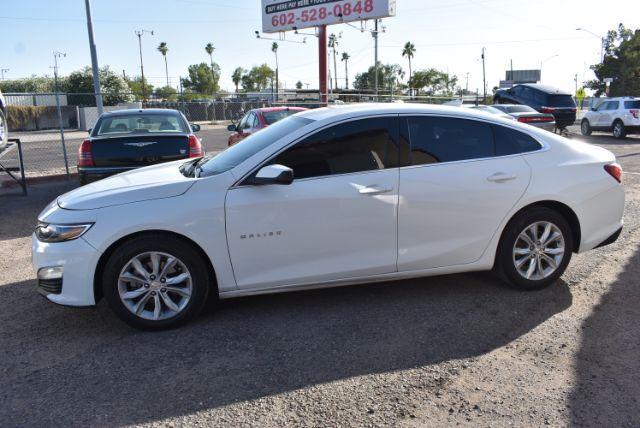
[238, 153]
[272, 117]
[520, 109]
[139, 123]
[561, 101]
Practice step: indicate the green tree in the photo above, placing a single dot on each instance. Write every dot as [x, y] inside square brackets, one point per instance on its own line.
[433, 82]
[409, 51]
[621, 62]
[163, 49]
[202, 79]
[166, 93]
[299, 84]
[31, 84]
[113, 87]
[258, 79]
[387, 77]
[135, 86]
[236, 77]
[346, 57]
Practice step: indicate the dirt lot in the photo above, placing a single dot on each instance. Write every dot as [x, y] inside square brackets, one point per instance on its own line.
[438, 351]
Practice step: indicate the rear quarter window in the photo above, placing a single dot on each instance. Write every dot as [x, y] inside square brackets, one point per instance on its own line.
[510, 142]
[632, 104]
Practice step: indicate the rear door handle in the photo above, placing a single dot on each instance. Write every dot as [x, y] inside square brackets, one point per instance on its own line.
[501, 177]
[374, 190]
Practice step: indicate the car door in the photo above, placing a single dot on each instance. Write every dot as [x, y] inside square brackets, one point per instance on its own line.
[603, 114]
[337, 220]
[455, 192]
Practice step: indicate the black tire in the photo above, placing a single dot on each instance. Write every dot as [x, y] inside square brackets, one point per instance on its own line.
[189, 256]
[585, 127]
[619, 130]
[505, 260]
[4, 135]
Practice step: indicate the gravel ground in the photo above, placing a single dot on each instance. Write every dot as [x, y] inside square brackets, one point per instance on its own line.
[460, 349]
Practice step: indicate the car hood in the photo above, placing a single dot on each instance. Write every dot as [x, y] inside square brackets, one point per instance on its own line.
[153, 182]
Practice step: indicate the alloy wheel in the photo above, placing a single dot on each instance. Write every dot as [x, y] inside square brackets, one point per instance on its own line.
[3, 130]
[617, 130]
[155, 286]
[538, 250]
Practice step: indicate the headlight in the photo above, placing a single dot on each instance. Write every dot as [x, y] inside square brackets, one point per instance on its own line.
[60, 232]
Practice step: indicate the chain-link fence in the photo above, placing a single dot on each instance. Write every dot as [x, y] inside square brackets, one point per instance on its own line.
[53, 126]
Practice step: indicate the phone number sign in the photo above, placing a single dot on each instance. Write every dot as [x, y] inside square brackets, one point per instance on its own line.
[279, 15]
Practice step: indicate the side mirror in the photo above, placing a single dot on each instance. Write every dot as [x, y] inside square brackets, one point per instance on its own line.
[232, 128]
[274, 174]
[195, 127]
[593, 109]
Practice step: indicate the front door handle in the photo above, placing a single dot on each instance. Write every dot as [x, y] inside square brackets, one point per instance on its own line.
[374, 190]
[501, 177]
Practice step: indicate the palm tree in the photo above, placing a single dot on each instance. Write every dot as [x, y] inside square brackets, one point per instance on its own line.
[163, 48]
[236, 77]
[409, 51]
[209, 48]
[274, 49]
[333, 43]
[345, 58]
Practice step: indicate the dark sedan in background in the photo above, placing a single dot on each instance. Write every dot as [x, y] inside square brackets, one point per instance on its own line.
[128, 139]
[542, 98]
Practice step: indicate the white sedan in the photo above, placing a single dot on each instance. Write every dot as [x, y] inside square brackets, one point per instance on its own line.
[328, 197]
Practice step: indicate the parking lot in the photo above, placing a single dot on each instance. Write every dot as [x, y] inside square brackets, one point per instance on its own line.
[434, 351]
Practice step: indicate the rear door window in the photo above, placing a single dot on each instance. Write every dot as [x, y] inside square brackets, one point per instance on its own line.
[442, 139]
[509, 141]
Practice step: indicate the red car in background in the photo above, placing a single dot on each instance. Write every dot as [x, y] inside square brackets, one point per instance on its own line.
[257, 119]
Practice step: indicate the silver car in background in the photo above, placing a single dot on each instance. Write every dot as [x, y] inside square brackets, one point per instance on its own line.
[489, 109]
[528, 115]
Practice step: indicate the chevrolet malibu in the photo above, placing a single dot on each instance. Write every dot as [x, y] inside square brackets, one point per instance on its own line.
[329, 197]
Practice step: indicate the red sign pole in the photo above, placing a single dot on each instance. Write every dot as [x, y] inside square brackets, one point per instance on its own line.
[322, 71]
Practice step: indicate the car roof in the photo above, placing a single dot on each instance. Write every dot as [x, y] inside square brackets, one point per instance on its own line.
[126, 112]
[280, 108]
[337, 112]
[546, 88]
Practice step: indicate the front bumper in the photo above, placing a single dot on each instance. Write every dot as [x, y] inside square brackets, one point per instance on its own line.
[78, 260]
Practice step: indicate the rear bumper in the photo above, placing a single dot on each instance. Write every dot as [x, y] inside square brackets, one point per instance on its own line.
[611, 239]
[89, 174]
[562, 121]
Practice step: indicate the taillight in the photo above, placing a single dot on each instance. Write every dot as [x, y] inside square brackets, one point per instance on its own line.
[614, 170]
[635, 113]
[195, 148]
[544, 109]
[530, 119]
[85, 157]
[574, 110]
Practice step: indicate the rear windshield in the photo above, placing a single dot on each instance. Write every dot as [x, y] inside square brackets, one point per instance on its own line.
[238, 153]
[561, 101]
[632, 104]
[519, 109]
[272, 117]
[139, 123]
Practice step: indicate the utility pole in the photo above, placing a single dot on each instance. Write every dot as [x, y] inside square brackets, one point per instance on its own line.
[575, 79]
[466, 86]
[2, 71]
[94, 60]
[57, 55]
[375, 38]
[139, 33]
[484, 80]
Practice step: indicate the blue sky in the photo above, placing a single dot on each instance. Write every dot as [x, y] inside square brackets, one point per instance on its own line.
[448, 35]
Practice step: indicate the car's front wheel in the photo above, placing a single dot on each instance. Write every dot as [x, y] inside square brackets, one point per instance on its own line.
[535, 249]
[156, 282]
[585, 127]
[4, 130]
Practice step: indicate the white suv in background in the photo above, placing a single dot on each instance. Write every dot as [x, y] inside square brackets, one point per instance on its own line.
[618, 115]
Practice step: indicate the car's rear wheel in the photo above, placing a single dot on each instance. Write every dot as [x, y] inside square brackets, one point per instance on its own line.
[156, 282]
[535, 249]
[4, 130]
[585, 127]
[619, 131]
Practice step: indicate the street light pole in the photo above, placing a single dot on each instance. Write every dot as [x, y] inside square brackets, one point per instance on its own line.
[139, 33]
[94, 60]
[484, 79]
[375, 38]
[602, 41]
[57, 55]
[2, 71]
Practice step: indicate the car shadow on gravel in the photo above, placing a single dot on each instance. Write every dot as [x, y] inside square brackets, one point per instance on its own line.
[608, 363]
[64, 366]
